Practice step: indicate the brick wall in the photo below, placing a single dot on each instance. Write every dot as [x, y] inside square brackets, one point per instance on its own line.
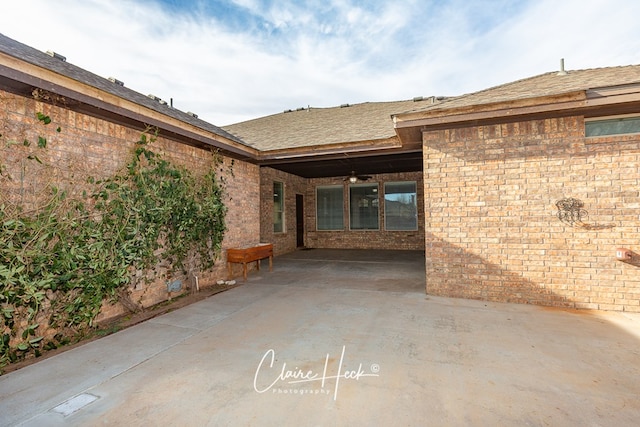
[243, 215]
[293, 185]
[369, 239]
[89, 146]
[492, 230]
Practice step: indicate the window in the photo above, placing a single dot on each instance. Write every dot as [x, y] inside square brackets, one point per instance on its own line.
[329, 207]
[400, 206]
[617, 126]
[363, 207]
[278, 207]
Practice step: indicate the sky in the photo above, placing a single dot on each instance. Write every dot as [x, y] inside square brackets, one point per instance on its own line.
[234, 60]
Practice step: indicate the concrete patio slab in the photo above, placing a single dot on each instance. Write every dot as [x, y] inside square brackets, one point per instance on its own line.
[341, 338]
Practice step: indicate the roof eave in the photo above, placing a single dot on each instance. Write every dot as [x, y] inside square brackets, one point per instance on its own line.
[108, 105]
[592, 102]
[350, 148]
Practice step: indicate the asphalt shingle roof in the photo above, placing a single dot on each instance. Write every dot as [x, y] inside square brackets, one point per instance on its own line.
[369, 121]
[543, 85]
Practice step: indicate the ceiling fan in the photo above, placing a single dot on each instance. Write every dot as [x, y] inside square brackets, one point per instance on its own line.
[353, 178]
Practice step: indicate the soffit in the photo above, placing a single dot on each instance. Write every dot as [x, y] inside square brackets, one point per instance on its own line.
[361, 164]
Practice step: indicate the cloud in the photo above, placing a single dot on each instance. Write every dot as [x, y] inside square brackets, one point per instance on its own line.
[234, 60]
[586, 34]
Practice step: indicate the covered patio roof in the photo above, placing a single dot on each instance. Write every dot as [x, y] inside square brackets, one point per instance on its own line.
[331, 142]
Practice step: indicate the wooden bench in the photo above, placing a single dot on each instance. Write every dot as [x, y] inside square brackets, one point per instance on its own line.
[249, 254]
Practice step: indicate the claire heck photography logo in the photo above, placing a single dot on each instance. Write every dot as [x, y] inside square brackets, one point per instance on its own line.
[279, 378]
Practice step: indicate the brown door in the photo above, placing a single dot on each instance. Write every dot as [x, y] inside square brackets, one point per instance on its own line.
[299, 220]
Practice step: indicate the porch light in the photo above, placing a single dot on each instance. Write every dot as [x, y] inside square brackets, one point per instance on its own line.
[353, 179]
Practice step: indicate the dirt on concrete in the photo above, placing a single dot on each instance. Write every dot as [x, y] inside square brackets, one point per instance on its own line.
[125, 321]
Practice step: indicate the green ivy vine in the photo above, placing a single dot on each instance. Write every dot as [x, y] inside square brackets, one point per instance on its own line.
[59, 264]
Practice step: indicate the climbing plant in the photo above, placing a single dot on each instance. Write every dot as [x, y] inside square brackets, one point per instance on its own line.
[60, 261]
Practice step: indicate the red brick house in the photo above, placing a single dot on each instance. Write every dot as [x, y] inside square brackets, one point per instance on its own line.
[522, 192]
[496, 170]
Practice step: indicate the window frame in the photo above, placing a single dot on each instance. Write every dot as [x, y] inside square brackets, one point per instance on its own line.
[333, 186]
[281, 206]
[610, 119]
[415, 202]
[375, 186]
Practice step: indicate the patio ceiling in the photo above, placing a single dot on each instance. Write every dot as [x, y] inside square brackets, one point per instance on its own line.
[341, 165]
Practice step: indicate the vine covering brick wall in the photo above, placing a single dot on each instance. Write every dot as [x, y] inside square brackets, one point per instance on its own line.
[87, 146]
[492, 229]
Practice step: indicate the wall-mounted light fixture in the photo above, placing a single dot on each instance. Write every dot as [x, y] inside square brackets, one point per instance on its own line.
[353, 179]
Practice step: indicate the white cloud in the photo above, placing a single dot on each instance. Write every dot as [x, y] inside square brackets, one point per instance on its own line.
[586, 34]
[269, 56]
